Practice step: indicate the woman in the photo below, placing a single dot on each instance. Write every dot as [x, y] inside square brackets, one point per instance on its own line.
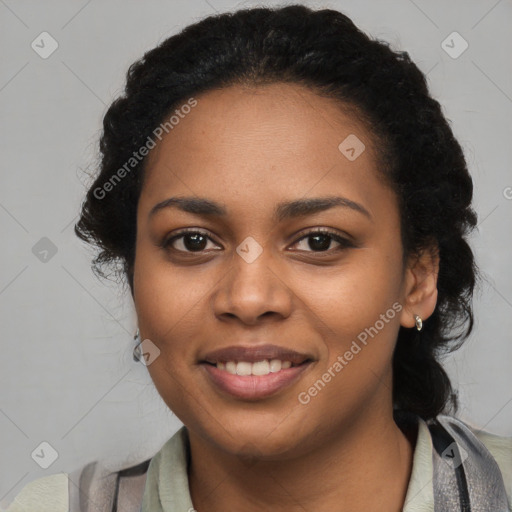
[290, 210]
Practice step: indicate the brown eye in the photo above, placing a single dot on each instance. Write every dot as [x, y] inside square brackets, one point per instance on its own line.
[321, 240]
[188, 241]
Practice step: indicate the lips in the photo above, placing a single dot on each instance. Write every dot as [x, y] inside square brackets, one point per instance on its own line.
[284, 367]
[254, 354]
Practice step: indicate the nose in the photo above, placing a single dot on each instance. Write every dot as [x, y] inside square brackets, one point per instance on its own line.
[252, 291]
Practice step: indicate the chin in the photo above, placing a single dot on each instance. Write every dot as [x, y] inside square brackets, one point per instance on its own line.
[257, 435]
[261, 448]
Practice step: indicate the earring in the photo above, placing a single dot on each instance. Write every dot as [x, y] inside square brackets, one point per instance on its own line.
[419, 322]
[136, 350]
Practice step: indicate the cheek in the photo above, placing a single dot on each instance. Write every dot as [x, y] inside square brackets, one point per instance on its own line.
[357, 307]
[355, 294]
[166, 302]
[358, 315]
[163, 292]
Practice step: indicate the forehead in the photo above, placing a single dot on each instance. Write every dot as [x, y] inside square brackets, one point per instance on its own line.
[261, 143]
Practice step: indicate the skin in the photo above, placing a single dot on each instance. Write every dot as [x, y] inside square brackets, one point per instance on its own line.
[250, 149]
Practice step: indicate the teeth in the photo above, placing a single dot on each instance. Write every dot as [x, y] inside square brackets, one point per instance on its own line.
[245, 368]
[260, 368]
[230, 367]
[275, 365]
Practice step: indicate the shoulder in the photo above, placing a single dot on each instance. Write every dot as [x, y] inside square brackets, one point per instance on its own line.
[45, 494]
[65, 492]
[501, 449]
[499, 446]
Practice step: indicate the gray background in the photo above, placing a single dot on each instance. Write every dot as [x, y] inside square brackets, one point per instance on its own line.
[66, 372]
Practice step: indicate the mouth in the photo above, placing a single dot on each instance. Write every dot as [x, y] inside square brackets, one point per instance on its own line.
[256, 372]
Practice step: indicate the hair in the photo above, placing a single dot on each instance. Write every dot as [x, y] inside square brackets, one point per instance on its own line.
[324, 51]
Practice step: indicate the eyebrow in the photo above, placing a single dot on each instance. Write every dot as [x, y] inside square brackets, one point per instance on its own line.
[283, 211]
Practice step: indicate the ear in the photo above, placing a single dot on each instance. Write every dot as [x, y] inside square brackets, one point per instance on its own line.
[420, 286]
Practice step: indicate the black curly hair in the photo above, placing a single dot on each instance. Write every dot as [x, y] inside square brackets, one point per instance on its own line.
[324, 51]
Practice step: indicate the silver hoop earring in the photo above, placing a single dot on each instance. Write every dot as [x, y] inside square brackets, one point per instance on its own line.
[419, 322]
[137, 353]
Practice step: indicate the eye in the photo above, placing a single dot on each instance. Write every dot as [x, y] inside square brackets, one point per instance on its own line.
[188, 241]
[196, 241]
[319, 240]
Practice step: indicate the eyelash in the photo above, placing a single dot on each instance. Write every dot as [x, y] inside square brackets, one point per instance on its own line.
[344, 242]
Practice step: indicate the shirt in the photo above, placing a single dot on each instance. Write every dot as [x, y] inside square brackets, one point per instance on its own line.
[167, 488]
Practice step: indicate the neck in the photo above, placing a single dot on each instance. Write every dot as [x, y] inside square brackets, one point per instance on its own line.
[365, 467]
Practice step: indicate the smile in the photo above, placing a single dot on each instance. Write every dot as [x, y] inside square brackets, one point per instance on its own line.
[253, 381]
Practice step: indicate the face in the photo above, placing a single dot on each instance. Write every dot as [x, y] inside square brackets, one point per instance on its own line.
[285, 249]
